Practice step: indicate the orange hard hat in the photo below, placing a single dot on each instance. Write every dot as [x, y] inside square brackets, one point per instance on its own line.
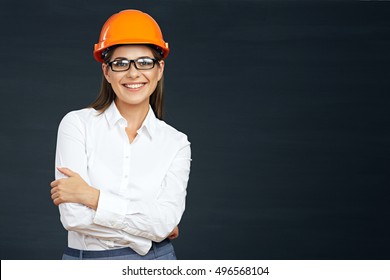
[130, 27]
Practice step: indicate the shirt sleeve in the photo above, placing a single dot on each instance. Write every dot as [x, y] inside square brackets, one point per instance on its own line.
[154, 218]
[71, 153]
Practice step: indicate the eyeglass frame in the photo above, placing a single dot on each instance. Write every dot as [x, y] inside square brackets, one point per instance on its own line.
[155, 60]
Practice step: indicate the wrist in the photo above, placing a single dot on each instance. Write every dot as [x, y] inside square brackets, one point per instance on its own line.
[92, 199]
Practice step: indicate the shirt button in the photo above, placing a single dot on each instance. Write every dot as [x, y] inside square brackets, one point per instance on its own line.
[126, 176]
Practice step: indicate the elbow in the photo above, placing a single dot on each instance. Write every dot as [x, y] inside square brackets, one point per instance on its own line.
[71, 224]
[67, 224]
[73, 220]
[166, 225]
[163, 233]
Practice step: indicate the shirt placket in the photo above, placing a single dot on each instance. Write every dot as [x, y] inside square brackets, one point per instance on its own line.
[126, 162]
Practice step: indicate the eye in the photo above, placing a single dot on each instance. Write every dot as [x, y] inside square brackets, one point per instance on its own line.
[120, 63]
[145, 62]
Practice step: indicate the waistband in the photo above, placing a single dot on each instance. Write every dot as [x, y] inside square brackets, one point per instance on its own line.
[89, 254]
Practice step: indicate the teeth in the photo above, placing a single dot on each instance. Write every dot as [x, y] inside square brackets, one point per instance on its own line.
[133, 85]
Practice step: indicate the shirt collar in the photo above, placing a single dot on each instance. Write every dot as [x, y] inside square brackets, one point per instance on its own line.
[149, 124]
[113, 117]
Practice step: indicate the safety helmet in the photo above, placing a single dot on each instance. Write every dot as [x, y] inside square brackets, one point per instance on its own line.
[130, 27]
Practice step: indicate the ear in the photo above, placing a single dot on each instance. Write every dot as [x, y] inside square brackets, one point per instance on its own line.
[106, 72]
[161, 69]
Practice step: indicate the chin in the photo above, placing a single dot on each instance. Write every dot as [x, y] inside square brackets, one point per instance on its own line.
[134, 101]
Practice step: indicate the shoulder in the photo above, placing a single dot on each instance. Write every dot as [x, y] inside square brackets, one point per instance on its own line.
[170, 133]
[78, 118]
[82, 115]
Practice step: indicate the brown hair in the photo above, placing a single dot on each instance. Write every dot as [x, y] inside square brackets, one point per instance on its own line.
[107, 95]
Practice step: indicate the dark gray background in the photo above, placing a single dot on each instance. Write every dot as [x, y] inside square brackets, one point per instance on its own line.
[286, 104]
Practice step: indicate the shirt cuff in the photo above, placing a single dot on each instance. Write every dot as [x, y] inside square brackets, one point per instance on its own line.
[111, 210]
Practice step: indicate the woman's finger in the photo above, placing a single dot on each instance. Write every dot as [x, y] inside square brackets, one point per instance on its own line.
[54, 183]
[66, 171]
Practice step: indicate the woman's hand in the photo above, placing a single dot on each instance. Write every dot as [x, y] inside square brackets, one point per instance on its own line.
[174, 234]
[73, 189]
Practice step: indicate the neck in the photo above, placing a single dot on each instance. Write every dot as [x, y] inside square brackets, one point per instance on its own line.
[134, 114]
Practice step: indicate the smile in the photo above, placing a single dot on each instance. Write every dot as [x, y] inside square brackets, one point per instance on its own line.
[134, 86]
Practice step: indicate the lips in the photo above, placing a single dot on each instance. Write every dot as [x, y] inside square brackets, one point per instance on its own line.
[134, 85]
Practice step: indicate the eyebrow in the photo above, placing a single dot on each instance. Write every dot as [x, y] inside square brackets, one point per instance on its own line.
[124, 58]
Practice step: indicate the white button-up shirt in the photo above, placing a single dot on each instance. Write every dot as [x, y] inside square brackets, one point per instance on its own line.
[142, 184]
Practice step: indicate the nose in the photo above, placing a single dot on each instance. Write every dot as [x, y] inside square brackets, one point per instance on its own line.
[133, 72]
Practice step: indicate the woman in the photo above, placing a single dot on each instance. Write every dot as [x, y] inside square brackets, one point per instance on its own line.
[122, 172]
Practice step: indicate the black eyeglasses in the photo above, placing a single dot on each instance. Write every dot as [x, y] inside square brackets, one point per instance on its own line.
[142, 63]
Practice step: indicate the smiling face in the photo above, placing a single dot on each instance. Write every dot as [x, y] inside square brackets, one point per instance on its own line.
[133, 87]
